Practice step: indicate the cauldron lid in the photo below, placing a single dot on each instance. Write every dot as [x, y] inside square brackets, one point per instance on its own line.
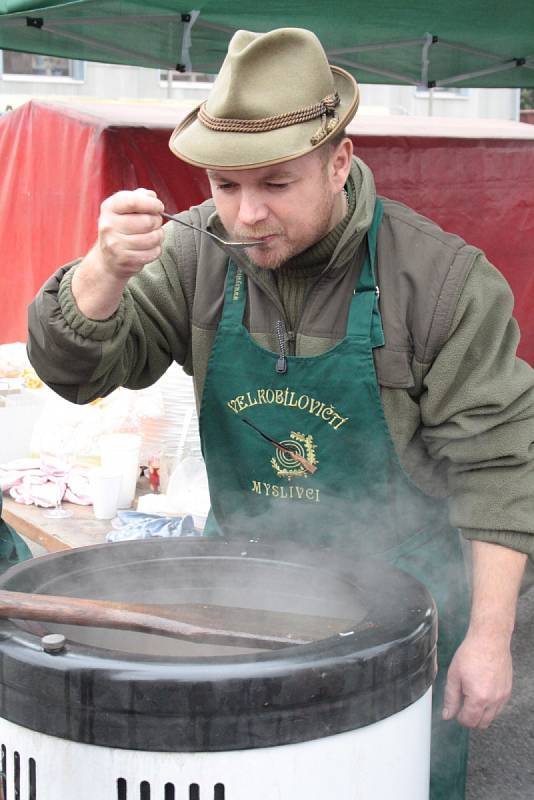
[258, 699]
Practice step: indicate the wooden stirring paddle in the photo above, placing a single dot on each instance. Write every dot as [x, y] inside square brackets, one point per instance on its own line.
[194, 622]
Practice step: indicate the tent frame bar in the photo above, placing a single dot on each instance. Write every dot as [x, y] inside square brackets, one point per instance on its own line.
[202, 23]
[429, 41]
[428, 38]
[362, 48]
[24, 17]
[113, 49]
[55, 26]
[187, 20]
[513, 63]
[464, 48]
[398, 76]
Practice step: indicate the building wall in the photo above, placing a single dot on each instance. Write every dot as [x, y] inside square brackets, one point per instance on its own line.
[91, 79]
[467, 103]
[98, 80]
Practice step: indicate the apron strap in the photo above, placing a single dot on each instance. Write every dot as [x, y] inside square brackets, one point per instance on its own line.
[235, 296]
[364, 320]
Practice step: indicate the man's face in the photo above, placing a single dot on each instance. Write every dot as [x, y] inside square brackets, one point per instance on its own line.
[288, 206]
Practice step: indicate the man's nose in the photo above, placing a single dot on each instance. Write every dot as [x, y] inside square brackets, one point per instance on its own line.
[251, 208]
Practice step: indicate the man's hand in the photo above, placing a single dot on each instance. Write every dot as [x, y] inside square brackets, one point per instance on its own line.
[130, 235]
[129, 232]
[479, 681]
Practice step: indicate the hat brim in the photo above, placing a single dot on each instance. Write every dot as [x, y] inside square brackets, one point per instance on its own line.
[196, 144]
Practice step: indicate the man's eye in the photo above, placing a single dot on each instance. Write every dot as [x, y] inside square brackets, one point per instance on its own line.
[278, 185]
[225, 186]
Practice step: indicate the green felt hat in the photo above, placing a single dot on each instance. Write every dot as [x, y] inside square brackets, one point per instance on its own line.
[275, 98]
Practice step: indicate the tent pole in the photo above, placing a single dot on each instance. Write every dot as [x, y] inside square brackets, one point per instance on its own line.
[188, 20]
[425, 58]
[425, 64]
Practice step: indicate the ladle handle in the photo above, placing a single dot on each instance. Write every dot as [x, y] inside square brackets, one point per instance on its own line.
[108, 614]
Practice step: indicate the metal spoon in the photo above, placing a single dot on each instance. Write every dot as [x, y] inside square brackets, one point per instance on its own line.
[218, 239]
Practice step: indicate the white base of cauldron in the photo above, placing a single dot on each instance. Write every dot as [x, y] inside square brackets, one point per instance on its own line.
[388, 760]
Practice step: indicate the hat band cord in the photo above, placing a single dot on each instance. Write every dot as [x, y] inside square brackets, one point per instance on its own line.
[324, 109]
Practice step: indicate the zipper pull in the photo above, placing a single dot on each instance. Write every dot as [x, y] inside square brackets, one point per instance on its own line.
[281, 364]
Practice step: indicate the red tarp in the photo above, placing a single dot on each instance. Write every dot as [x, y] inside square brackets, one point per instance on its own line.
[57, 167]
[59, 163]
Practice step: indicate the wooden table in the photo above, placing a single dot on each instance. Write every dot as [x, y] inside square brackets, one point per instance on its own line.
[55, 534]
[59, 534]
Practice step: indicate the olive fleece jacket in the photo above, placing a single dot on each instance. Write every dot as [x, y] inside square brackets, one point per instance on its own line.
[458, 402]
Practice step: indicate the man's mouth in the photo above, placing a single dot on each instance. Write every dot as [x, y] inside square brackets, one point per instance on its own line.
[267, 239]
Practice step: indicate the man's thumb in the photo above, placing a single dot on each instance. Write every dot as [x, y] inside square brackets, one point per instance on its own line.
[453, 697]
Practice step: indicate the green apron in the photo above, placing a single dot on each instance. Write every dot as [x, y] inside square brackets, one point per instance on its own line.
[12, 548]
[358, 501]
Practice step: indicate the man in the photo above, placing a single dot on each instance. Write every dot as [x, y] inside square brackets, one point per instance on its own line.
[377, 349]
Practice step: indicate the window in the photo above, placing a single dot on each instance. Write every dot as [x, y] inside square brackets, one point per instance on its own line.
[187, 77]
[33, 65]
[442, 91]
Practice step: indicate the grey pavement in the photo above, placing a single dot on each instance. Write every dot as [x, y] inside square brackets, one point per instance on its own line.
[501, 763]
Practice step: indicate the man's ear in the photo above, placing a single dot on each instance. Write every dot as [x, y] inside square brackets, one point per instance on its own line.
[340, 164]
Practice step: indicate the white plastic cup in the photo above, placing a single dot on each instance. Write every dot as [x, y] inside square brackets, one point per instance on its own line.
[167, 462]
[105, 487]
[119, 452]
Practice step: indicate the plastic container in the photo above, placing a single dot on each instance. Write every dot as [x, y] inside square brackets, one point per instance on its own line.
[119, 452]
[17, 420]
[105, 487]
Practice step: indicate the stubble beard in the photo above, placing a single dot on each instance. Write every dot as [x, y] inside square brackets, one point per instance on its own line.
[284, 249]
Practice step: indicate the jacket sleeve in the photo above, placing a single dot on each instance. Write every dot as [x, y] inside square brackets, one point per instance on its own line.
[82, 359]
[478, 416]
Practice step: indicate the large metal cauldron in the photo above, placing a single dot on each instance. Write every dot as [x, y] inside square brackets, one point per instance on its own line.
[128, 716]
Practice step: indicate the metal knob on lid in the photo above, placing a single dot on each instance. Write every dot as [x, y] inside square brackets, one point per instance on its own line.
[53, 642]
